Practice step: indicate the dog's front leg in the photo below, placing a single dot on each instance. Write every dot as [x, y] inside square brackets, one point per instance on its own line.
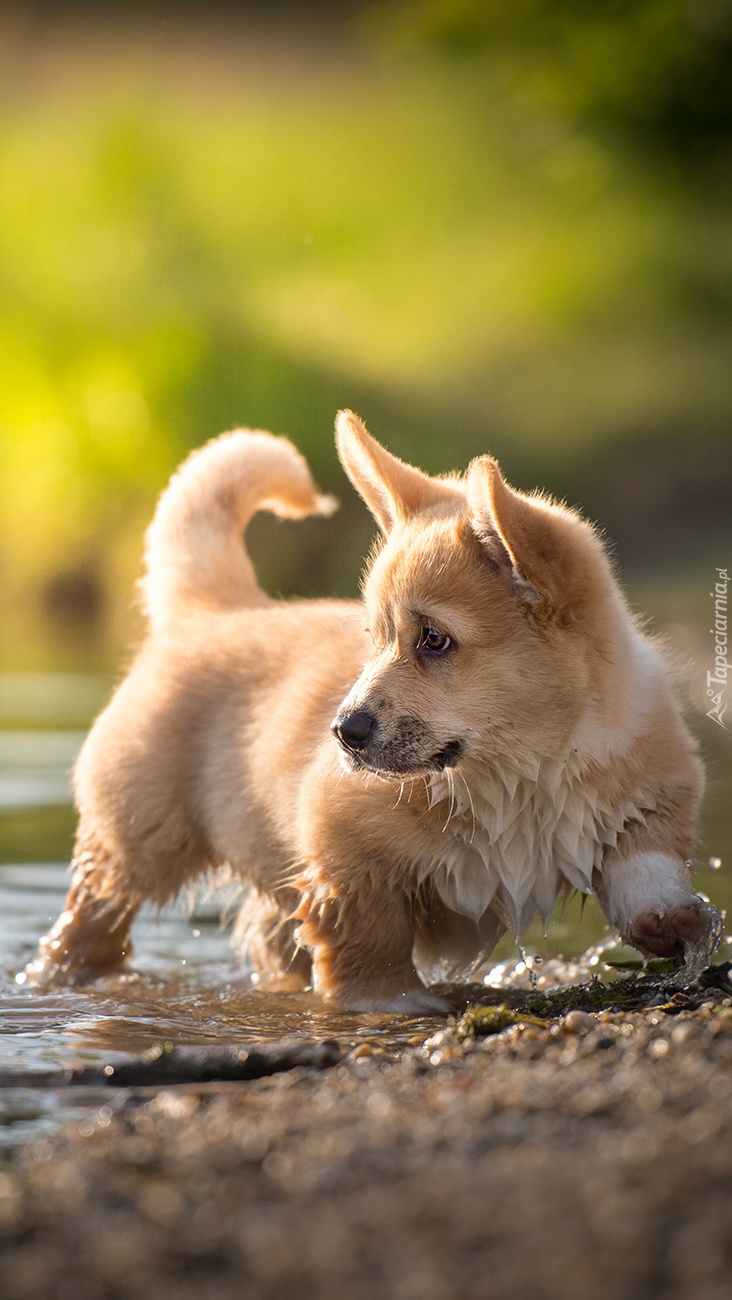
[361, 942]
[648, 897]
[357, 890]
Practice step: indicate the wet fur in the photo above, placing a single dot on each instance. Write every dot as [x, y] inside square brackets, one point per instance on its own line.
[542, 751]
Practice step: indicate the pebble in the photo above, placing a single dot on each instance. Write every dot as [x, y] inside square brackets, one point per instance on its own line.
[440, 1039]
[578, 1022]
[683, 1032]
[363, 1050]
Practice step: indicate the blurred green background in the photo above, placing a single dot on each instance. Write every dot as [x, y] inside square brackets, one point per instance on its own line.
[484, 226]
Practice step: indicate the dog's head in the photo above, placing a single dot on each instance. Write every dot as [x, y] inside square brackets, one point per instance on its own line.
[482, 604]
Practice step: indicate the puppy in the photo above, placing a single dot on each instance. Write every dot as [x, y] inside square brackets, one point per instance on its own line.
[399, 781]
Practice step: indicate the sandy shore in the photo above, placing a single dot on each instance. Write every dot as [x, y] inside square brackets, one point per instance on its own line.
[566, 1157]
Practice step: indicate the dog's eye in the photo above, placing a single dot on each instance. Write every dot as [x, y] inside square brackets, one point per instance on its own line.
[433, 641]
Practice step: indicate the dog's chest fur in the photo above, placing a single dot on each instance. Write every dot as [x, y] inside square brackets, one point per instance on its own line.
[510, 842]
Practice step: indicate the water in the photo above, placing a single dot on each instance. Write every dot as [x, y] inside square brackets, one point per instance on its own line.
[698, 952]
[185, 986]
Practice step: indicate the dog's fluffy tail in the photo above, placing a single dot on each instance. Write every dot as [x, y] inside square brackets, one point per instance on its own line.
[194, 552]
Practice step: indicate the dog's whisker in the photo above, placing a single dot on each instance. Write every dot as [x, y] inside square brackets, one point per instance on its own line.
[449, 808]
[466, 786]
[468, 792]
[452, 806]
[472, 807]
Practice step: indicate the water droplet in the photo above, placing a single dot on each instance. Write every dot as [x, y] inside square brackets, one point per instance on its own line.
[526, 965]
[715, 863]
[21, 977]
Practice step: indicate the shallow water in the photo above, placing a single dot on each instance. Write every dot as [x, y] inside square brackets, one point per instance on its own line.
[184, 986]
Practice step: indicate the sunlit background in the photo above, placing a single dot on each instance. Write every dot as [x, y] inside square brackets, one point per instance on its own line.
[499, 227]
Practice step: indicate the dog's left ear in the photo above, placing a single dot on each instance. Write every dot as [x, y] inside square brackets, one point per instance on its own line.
[392, 490]
[542, 551]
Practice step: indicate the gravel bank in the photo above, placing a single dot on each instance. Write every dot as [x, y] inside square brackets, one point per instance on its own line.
[585, 1155]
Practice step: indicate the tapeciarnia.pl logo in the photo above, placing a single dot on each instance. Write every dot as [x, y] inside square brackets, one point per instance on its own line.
[717, 681]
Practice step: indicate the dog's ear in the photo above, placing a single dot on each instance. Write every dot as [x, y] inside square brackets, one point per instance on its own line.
[392, 490]
[542, 551]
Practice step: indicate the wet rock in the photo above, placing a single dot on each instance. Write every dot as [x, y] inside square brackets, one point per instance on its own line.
[578, 1022]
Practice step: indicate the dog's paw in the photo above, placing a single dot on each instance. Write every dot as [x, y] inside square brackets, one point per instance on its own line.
[81, 946]
[693, 925]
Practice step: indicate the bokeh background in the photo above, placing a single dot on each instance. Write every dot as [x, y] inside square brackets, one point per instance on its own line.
[486, 226]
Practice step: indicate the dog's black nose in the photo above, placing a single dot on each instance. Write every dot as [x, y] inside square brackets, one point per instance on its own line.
[354, 729]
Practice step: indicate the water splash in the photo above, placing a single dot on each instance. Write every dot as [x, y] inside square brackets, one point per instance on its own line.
[595, 954]
[698, 952]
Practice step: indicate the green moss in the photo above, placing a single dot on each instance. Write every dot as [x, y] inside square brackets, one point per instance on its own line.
[477, 1021]
[633, 992]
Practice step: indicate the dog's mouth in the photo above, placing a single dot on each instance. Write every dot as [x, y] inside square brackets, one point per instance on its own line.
[448, 756]
[396, 768]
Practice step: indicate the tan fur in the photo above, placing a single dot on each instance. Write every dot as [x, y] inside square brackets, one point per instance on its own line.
[529, 744]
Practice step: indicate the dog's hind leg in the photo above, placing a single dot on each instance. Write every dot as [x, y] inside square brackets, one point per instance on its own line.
[92, 934]
[115, 871]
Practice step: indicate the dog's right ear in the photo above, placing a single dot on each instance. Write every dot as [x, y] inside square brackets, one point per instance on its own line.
[392, 490]
[543, 552]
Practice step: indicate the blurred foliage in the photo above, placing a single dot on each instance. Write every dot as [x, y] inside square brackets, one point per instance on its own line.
[37, 834]
[483, 226]
[657, 72]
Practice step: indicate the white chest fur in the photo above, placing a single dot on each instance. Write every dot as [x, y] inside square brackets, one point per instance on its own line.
[511, 842]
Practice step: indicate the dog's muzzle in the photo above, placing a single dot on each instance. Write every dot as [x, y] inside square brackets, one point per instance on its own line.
[358, 733]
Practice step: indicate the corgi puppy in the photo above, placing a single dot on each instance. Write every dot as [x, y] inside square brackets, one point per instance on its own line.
[398, 781]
